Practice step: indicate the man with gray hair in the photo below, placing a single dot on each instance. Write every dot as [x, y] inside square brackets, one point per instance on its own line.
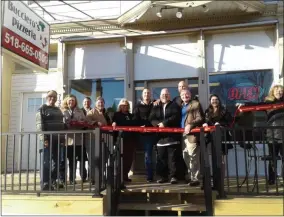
[167, 114]
[192, 116]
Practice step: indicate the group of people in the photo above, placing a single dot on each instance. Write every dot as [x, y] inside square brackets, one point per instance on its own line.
[178, 156]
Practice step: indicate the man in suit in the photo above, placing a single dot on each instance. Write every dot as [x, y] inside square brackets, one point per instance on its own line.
[167, 114]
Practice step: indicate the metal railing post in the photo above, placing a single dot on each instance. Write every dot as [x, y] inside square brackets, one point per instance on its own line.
[218, 151]
[97, 161]
[205, 165]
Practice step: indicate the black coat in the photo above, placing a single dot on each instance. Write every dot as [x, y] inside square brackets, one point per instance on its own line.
[275, 118]
[172, 119]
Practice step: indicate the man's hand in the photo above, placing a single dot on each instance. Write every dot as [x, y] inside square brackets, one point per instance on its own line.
[142, 126]
[217, 123]
[205, 125]
[187, 129]
[157, 102]
[46, 143]
[113, 124]
[161, 125]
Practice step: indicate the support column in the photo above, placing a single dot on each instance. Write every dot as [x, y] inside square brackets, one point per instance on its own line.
[129, 82]
[280, 39]
[8, 67]
[203, 81]
[62, 82]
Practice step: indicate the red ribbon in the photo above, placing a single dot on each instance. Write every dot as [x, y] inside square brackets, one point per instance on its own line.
[177, 130]
[141, 129]
[261, 107]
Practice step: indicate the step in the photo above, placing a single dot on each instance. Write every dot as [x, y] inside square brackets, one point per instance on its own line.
[162, 188]
[162, 206]
[131, 197]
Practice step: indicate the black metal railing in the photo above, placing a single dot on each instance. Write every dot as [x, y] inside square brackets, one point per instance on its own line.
[34, 166]
[248, 161]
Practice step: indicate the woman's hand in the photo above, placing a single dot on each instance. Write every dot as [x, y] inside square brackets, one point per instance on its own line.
[113, 124]
[99, 124]
[205, 125]
[187, 129]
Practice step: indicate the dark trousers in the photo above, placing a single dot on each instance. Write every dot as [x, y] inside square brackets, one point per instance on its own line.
[128, 151]
[272, 165]
[73, 158]
[51, 168]
[148, 142]
[167, 160]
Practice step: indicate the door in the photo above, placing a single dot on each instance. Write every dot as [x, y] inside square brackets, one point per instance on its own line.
[155, 88]
[30, 148]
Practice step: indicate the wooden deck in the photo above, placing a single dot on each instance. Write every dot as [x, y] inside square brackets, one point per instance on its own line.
[138, 184]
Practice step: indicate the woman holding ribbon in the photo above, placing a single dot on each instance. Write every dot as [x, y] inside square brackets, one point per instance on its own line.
[275, 118]
[71, 112]
[123, 117]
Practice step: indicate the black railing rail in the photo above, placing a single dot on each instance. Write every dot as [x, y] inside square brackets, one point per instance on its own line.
[252, 164]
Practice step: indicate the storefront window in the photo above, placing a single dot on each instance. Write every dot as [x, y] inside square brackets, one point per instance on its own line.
[242, 87]
[139, 86]
[112, 90]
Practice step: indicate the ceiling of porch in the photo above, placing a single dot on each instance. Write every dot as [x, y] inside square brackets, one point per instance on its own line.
[169, 10]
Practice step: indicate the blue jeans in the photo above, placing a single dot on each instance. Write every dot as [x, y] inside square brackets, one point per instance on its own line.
[45, 168]
[148, 142]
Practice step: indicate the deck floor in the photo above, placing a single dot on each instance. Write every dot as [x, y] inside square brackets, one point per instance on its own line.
[138, 184]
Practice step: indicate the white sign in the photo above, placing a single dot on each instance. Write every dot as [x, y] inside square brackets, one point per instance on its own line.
[25, 33]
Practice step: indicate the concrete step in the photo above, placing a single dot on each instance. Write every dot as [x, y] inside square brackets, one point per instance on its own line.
[162, 206]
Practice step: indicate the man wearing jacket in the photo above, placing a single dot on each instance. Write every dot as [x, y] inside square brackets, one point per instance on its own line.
[167, 114]
[192, 116]
[50, 118]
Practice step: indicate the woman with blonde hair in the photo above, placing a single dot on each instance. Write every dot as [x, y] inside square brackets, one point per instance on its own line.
[275, 118]
[71, 112]
[123, 117]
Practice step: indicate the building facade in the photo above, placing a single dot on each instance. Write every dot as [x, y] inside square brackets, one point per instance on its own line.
[233, 49]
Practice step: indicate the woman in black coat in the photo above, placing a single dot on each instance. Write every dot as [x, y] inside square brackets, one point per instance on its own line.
[275, 118]
[217, 114]
[124, 118]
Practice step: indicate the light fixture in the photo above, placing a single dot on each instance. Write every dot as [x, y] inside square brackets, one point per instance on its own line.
[179, 13]
[159, 13]
[205, 8]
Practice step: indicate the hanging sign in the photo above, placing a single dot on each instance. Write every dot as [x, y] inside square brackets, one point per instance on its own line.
[25, 33]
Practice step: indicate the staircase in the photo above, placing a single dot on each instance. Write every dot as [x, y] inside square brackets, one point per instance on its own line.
[154, 199]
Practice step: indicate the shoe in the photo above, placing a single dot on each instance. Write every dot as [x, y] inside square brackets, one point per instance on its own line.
[72, 183]
[149, 180]
[59, 183]
[46, 187]
[174, 180]
[271, 182]
[127, 180]
[194, 183]
[162, 180]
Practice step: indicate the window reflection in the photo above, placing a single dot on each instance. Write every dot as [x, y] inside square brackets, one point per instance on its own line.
[242, 87]
[112, 90]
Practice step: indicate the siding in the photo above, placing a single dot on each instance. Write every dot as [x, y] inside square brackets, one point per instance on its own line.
[24, 83]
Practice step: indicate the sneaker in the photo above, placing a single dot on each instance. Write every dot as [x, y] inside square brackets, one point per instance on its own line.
[149, 180]
[194, 183]
[174, 180]
[162, 180]
[46, 187]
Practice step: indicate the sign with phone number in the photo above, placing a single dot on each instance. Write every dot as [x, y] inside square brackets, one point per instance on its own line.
[15, 43]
